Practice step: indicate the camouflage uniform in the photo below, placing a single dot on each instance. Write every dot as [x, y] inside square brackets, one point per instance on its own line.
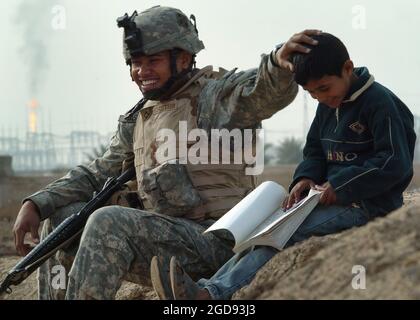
[118, 242]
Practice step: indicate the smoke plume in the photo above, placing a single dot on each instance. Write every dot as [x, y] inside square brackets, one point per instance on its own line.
[33, 21]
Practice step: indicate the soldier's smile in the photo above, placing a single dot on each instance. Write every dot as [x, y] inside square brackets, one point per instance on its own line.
[147, 85]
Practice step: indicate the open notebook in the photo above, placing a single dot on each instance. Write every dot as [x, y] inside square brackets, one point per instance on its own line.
[258, 219]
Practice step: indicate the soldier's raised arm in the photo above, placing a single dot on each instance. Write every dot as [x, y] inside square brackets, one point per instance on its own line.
[243, 99]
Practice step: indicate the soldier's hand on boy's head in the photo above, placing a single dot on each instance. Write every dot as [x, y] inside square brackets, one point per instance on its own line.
[295, 194]
[295, 44]
[328, 196]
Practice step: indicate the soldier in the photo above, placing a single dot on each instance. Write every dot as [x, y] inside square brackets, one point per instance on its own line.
[180, 200]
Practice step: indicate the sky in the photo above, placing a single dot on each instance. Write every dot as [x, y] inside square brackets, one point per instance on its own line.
[67, 54]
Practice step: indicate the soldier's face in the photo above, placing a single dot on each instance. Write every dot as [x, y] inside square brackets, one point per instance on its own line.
[151, 72]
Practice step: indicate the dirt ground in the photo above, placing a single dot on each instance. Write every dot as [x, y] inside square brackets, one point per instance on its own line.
[386, 250]
[319, 268]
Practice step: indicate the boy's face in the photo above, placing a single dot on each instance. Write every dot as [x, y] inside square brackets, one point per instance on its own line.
[152, 72]
[331, 90]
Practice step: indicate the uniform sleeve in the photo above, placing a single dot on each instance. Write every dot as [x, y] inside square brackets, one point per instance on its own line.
[243, 99]
[314, 164]
[80, 183]
[390, 164]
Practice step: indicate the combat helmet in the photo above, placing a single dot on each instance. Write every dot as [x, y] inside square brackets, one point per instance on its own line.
[158, 29]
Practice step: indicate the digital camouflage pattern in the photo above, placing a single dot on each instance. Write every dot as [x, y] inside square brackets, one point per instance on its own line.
[107, 252]
[120, 242]
[197, 191]
[243, 99]
[62, 258]
[170, 189]
[238, 99]
[220, 187]
[163, 28]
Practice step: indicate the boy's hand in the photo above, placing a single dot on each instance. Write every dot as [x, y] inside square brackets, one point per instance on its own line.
[295, 194]
[328, 196]
[295, 44]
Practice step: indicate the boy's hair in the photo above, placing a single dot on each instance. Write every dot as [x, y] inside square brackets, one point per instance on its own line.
[325, 59]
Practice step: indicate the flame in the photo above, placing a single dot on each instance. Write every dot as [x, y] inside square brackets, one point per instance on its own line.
[32, 118]
[33, 104]
[32, 122]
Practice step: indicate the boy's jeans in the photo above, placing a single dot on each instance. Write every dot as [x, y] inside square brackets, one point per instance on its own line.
[242, 267]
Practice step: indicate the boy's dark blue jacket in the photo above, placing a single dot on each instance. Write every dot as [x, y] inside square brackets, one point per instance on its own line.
[364, 148]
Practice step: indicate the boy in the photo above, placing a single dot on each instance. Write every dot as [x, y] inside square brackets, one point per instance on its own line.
[359, 152]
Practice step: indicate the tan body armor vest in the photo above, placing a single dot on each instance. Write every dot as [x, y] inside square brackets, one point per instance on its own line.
[219, 186]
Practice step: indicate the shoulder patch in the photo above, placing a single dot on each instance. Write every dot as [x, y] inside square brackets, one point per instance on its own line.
[146, 113]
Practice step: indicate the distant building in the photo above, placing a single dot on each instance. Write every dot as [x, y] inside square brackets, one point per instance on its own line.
[5, 166]
[46, 151]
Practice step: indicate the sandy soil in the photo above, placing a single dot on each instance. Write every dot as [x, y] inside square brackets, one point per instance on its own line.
[322, 268]
[27, 290]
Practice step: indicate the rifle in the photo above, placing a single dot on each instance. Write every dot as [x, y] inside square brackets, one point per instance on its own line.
[65, 233]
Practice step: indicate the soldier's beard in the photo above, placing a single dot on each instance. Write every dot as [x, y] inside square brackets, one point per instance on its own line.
[155, 94]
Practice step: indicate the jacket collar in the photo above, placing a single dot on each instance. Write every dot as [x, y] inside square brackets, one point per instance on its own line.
[363, 82]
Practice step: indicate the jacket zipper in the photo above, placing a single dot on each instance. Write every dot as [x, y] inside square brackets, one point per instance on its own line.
[337, 116]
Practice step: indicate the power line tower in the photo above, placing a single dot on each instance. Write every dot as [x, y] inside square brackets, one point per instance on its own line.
[82, 143]
[40, 153]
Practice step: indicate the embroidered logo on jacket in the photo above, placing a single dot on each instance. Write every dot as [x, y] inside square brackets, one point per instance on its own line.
[357, 127]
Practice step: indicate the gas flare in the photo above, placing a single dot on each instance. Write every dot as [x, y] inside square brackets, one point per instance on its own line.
[32, 116]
